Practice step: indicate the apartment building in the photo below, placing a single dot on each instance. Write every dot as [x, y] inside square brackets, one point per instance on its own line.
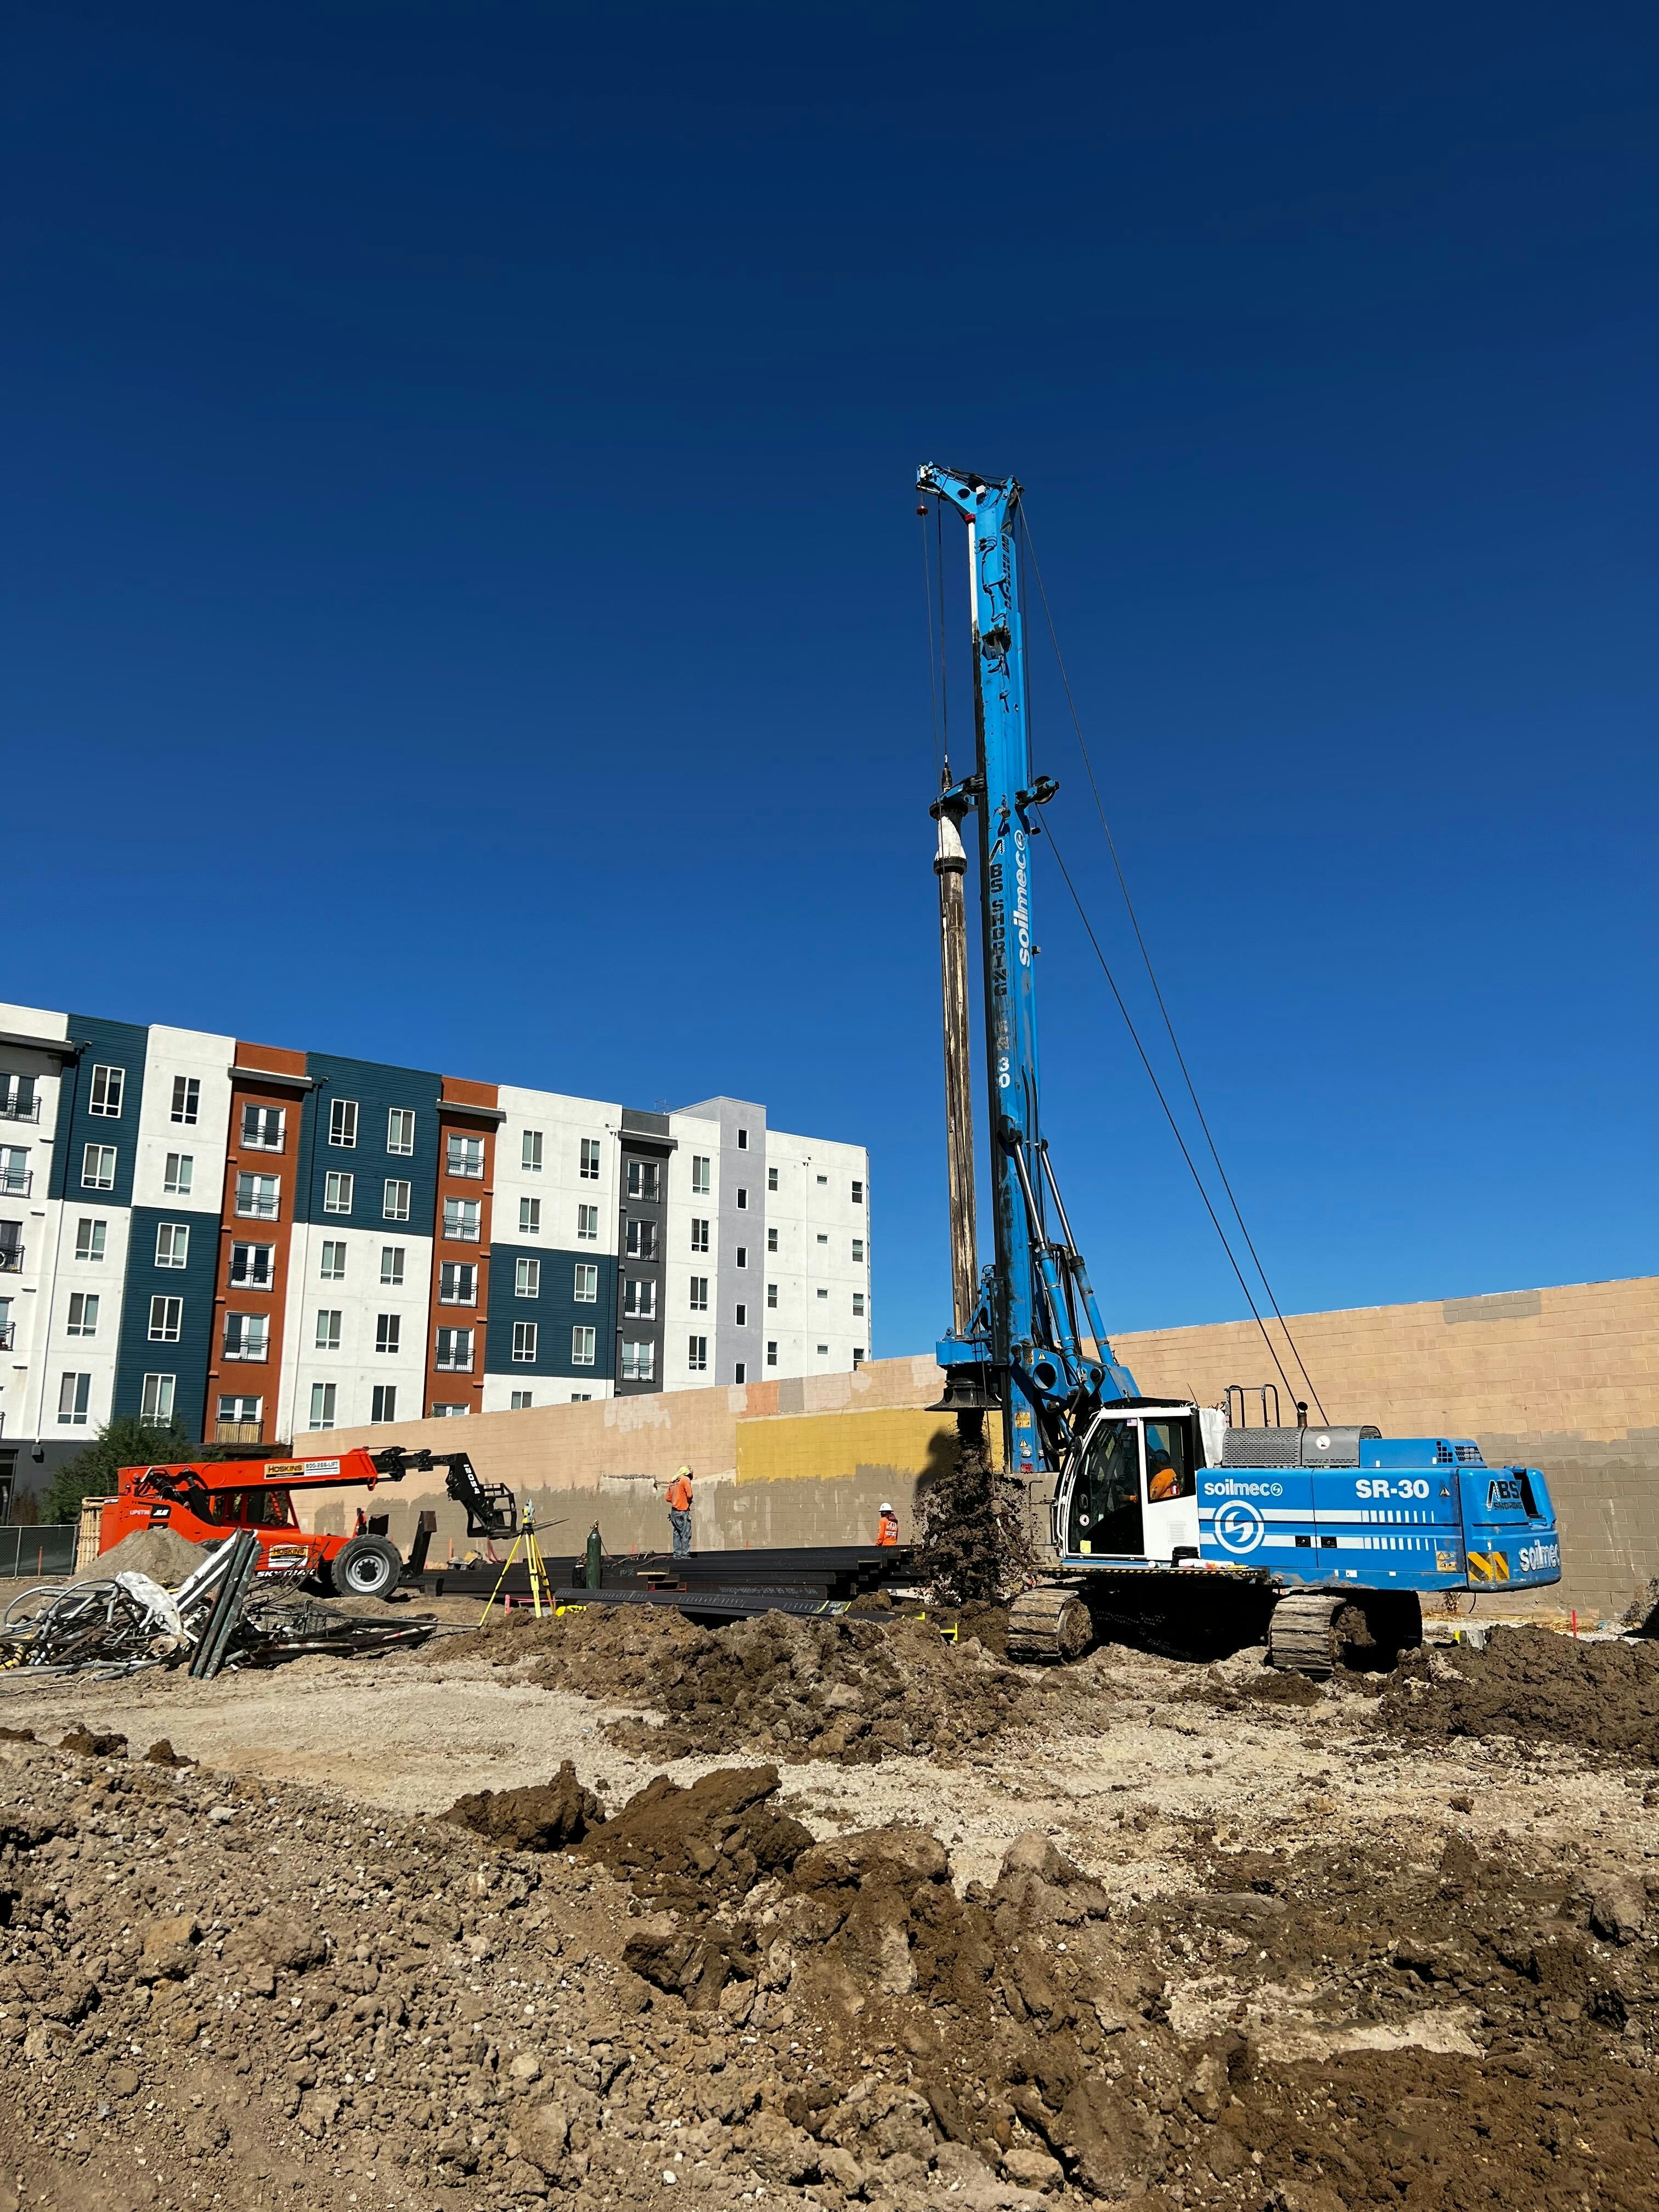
[271, 1241]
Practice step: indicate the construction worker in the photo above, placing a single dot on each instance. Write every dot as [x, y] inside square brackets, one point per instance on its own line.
[887, 1527]
[678, 1499]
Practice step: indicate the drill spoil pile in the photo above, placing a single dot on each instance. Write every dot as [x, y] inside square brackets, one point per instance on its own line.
[1532, 1685]
[252, 1994]
[850, 1689]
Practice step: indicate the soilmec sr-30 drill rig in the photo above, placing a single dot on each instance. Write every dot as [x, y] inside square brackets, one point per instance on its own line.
[1337, 1531]
[206, 1502]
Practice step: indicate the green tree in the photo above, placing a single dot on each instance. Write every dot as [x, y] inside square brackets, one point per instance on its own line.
[127, 1441]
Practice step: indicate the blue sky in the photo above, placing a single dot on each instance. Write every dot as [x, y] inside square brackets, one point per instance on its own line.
[462, 603]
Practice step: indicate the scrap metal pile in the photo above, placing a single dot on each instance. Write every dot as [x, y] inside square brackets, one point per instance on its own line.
[218, 1616]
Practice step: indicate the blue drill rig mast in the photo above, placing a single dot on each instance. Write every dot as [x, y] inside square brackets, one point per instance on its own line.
[1333, 1532]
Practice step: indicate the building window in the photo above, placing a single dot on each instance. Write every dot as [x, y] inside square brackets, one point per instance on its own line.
[17, 1100]
[582, 1341]
[823, 1294]
[342, 1127]
[338, 1189]
[457, 1283]
[155, 1400]
[520, 1401]
[332, 1269]
[823, 1352]
[772, 1295]
[699, 1235]
[530, 1151]
[771, 1240]
[328, 1328]
[461, 1216]
[743, 1140]
[464, 1156]
[108, 1086]
[394, 1200]
[742, 1201]
[15, 1169]
[187, 1099]
[639, 1361]
[586, 1284]
[166, 1319]
[823, 1180]
[640, 1299]
[322, 1397]
[388, 1333]
[247, 1336]
[699, 1293]
[98, 1168]
[527, 1277]
[178, 1174]
[399, 1139]
[240, 1413]
[172, 1243]
[858, 1305]
[590, 1166]
[263, 1127]
[587, 1223]
[858, 1249]
[384, 1402]
[645, 1181]
[74, 1393]
[858, 1355]
[441, 1412]
[455, 1350]
[771, 1351]
[700, 1185]
[697, 1355]
[89, 1237]
[577, 1397]
[743, 1316]
[530, 1216]
[392, 1266]
[739, 1372]
[771, 1178]
[82, 1314]
[743, 1255]
[642, 1241]
[858, 1193]
[524, 1342]
[254, 1267]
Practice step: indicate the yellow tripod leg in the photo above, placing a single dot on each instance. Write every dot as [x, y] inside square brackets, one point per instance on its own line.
[506, 1568]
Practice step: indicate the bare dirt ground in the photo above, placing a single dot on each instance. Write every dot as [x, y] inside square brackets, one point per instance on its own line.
[927, 1930]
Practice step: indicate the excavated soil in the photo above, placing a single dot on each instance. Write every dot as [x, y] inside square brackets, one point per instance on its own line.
[164, 1556]
[1227, 1954]
[854, 1689]
[1534, 1686]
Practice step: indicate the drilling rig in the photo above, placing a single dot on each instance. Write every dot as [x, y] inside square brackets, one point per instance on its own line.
[1331, 1533]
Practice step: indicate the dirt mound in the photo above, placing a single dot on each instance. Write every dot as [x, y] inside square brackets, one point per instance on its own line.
[543, 1816]
[852, 1689]
[158, 1553]
[1532, 1684]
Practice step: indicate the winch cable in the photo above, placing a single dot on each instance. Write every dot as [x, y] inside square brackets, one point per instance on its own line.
[932, 663]
[1152, 976]
[1175, 1126]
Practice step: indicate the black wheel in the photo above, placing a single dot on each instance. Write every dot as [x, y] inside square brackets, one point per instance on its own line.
[369, 1566]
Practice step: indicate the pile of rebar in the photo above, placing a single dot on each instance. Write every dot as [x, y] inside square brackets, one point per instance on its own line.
[220, 1617]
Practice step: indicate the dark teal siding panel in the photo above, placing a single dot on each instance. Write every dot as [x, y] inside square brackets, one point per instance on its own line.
[135, 1356]
[377, 1089]
[114, 1044]
[554, 1313]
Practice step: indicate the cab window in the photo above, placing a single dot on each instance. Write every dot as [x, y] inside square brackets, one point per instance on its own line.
[270, 1508]
[1168, 1461]
[1106, 1500]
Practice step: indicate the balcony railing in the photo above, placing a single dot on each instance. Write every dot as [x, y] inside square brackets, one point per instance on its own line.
[18, 1109]
[11, 1259]
[238, 1433]
[246, 1350]
[8, 1336]
[17, 1182]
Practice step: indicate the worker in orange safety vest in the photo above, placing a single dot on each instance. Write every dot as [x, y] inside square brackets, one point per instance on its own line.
[678, 1497]
[887, 1527]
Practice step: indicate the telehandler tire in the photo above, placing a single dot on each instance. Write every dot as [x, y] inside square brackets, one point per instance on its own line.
[369, 1566]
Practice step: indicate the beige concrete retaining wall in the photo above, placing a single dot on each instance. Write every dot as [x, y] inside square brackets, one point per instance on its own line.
[1565, 1379]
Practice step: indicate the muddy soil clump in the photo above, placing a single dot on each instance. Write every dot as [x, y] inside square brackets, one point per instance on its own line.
[854, 1689]
[542, 1816]
[1534, 1686]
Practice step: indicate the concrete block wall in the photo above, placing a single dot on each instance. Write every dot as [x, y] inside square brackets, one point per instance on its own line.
[1565, 1379]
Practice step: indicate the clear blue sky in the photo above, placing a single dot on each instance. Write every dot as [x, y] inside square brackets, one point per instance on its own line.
[462, 602]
